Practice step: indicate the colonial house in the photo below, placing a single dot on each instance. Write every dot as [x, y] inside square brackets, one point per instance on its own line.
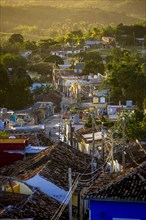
[93, 44]
[121, 197]
[108, 39]
[86, 139]
[42, 110]
[12, 149]
[117, 192]
[46, 174]
[58, 74]
[66, 52]
[100, 101]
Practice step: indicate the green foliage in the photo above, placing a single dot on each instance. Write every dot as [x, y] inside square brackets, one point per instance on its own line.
[20, 76]
[104, 120]
[43, 89]
[73, 110]
[13, 61]
[126, 80]
[74, 37]
[88, 122]
[93, 62]
[132, 125]
[16, 38]
[4, 80]
[4, 84]
[38, 90]
[143, 124]
[144, 103]
[42, 68]
[14, 88]
[54, 59]
[91, 55]
[47, 43]
[30, 45]
[9, 48]
[116, 54]
[18, 97]
[93, 67]
[143, 68]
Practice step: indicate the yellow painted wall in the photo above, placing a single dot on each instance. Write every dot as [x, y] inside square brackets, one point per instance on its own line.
[75, 200]
[16, 189]
[42, 112]
[20, 188]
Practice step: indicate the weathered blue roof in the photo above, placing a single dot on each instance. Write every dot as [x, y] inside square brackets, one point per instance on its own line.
[34, 85]
[92, 42]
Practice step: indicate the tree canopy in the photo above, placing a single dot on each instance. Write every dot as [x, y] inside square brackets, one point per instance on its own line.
[54, 59]
[43, 68]
[126, 80]
[16, 38]
[132, 125]
[13, 61]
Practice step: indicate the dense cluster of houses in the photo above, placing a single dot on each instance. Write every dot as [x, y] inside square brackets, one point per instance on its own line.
[86, 170]
[109, 183]
[37, 186]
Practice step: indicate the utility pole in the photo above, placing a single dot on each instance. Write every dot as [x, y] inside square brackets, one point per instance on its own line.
[102, 132]
[112, 153]
[70, 132]
[123, 151]
[93, 144]
[70, 188]
[59, 128]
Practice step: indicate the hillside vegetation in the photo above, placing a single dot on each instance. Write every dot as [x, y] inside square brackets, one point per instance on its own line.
[34, 19]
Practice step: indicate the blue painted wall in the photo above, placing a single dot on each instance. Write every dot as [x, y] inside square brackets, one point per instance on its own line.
[106, 210]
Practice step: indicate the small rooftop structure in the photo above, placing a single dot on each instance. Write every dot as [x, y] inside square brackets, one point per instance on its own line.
[11, 150]
[89, 137]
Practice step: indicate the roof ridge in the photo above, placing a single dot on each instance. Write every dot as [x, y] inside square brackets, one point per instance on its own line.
[129, 174]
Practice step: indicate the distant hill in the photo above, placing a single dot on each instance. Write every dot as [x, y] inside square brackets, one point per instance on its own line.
[45, 17]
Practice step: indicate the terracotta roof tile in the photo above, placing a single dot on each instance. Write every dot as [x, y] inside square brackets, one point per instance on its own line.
[129, 185]
[53, 164]
[37, 206]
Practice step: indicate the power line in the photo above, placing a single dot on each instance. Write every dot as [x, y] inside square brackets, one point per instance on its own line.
[65, 201]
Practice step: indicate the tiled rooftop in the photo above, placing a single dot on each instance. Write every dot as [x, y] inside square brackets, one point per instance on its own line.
[37, 206]
[130, 185]
[52, 164]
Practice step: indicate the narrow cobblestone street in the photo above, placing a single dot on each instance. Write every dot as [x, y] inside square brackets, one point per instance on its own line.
[53, 127]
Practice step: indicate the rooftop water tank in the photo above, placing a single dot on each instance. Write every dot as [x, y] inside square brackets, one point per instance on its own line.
[102, 100]
[128, 103]
[76, 119]
[4, 110]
